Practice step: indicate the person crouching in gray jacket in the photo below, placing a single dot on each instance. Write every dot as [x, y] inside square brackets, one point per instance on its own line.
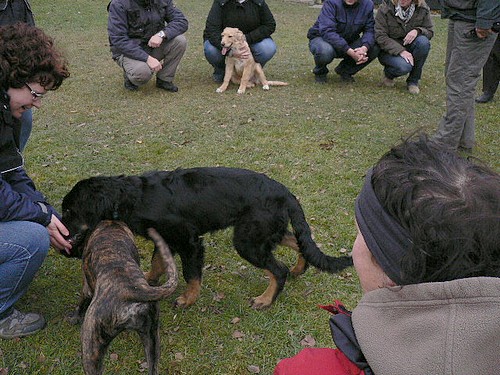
[147, 37]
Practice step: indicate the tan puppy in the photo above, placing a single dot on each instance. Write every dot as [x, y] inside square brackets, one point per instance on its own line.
[243, 71]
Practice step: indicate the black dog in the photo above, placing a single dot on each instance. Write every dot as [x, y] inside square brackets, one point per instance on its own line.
[184, 204]
[116, 296]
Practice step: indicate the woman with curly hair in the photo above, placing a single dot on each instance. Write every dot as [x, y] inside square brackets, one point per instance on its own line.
[428, 259]
[30, 66]
[11, 12]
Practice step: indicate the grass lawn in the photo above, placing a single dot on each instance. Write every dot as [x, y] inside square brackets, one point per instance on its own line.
[316, 139]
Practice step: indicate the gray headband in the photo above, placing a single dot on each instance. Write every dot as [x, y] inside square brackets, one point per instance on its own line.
[386, 239]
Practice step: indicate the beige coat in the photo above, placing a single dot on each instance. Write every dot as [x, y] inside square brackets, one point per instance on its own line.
[447, 328]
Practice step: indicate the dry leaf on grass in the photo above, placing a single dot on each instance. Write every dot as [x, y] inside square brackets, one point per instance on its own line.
[238, 335]
[254, 369]
[308, 341]
[178, 356]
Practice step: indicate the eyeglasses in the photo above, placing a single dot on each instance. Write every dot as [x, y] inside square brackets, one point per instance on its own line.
[34, 94]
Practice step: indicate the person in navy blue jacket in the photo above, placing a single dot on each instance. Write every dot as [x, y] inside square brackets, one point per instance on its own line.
[344, 29]
[30, 66]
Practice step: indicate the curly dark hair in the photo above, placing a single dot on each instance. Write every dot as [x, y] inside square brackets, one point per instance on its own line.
[27, 54]
[449, 205]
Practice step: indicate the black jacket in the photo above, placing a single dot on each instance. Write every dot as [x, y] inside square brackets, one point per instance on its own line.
[12, 11]
[253, 17]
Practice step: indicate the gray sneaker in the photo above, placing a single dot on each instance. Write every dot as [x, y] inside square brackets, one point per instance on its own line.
[20, 324]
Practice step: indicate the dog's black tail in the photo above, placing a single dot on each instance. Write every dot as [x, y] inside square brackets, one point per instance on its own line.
[308, 248]
[154, 293]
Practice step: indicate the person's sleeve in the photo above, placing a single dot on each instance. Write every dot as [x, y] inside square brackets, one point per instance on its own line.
[368, 37]
[118, 33]
[177, 23]
[385, 42]
[487, 13]
[317, 361]
[266, 28]
[327, 27]
[213, 25]
[427, 28]
[20, 201]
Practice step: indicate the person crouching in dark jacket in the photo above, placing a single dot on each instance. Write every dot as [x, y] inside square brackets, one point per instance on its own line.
[252, 17]
[147, 37]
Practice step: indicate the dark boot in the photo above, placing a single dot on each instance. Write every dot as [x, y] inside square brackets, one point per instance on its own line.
[345, 77]
[128, 84]
[485, 98]
[165, 85]
[320, 78]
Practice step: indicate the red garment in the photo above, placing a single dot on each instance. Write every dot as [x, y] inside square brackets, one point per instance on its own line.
[317, 361]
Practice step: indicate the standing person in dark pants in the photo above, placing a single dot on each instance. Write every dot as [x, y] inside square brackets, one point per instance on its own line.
[491, 74]
[12, 11]
[252, 17]
[344, 29]
[470, 40]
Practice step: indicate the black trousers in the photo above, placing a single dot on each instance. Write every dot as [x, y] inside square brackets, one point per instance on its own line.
[491, 70]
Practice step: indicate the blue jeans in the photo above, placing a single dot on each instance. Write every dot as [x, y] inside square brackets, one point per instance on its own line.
[324, 53]
[262, 52]
[23, 247]
[396, 66]
[26, 125]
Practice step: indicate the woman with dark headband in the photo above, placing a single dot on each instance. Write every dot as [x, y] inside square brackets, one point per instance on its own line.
[428, 258]
[30, 66]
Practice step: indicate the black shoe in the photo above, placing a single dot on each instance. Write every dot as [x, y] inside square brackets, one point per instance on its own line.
[128, 84]
[485, 98]
[345, 77]
[165, 85]
[465, 150]
[320, 78]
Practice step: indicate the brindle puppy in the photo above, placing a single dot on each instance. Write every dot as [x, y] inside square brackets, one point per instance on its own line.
[116, 295]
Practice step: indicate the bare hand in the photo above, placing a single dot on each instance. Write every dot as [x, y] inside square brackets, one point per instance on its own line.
[58, 232]
[483, 33]
[359, 55]
[408, 57]
[410, 37]
[155, 41]
[154, 64]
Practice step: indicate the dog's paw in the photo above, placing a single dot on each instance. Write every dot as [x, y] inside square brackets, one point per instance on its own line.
[73, 318]
[183, 302]
[241, 91]
[260, 303]
[220, 90]
[265, 87]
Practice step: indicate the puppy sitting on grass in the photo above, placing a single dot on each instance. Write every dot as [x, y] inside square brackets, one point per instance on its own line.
[116, 295]
[243, 71]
